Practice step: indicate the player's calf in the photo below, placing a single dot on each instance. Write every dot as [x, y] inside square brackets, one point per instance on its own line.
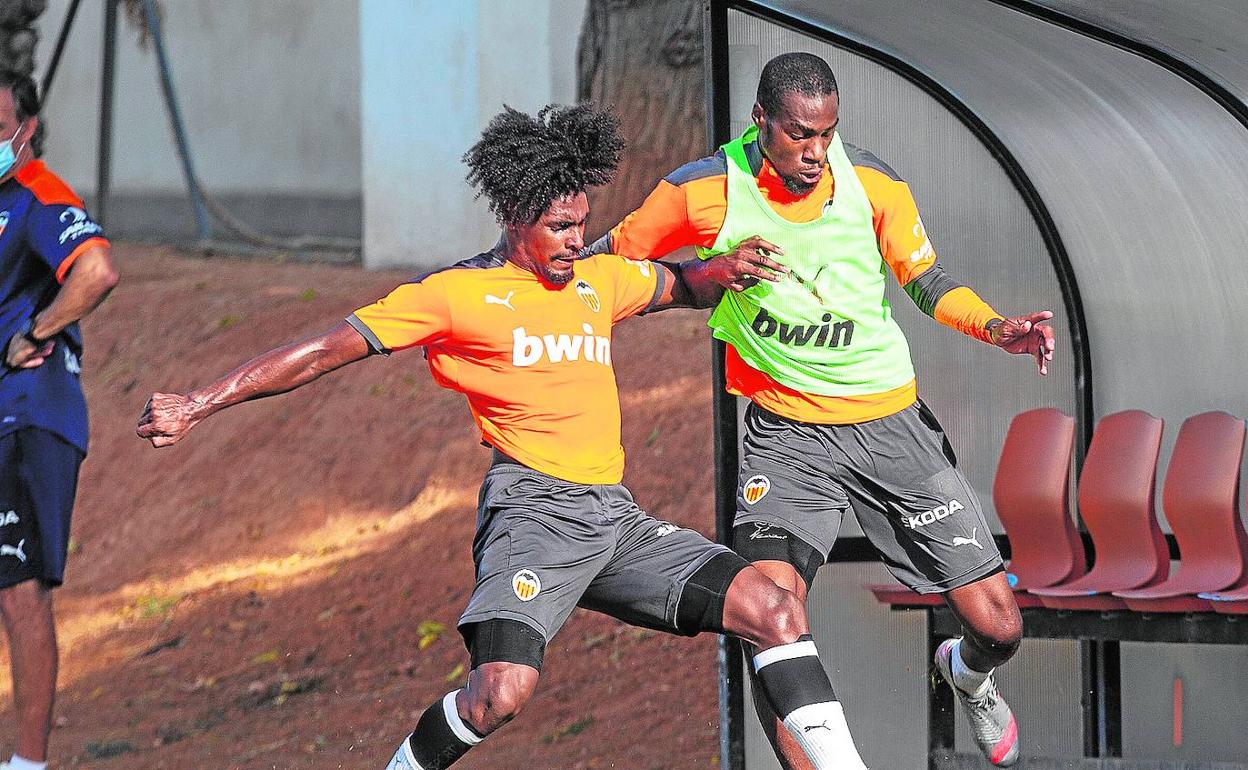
[788, 669]
[506, 662]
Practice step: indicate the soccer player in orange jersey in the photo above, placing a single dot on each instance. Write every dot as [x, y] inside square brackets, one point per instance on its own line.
[524, 332]
[835, 420]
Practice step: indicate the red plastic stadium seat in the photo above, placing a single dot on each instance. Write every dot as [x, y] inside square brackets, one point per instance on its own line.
[897, 595]
[1032, 497]
[1200, 496]
[1116, 502]
[1031, 494]
[1232, 601]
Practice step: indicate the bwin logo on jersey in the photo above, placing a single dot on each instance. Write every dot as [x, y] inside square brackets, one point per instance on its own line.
[934, 515]
[832, 335]
[79, 225]
[528, 349]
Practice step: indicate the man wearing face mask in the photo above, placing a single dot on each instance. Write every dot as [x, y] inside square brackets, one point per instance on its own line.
[54, 269]
[835, 422]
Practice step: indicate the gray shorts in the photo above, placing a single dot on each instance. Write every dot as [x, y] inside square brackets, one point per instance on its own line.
[899, 475]
[544, 546]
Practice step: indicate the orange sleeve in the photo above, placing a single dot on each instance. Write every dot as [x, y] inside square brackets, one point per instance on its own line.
[673, 216]
[908, 251]
[898, 227]
[637, 284]
[963, 310]
[413, 314]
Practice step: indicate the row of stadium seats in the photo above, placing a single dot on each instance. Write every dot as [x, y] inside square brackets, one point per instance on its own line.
[1131, 569]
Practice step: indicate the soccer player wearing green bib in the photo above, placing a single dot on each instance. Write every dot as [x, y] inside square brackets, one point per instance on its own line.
[813, 226]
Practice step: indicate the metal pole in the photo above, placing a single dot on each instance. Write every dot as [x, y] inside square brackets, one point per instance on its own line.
[723, 405]
[60, 48]
[202, 224]
[104, 152]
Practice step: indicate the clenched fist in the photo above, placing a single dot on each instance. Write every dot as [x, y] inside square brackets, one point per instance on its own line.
[166, 418]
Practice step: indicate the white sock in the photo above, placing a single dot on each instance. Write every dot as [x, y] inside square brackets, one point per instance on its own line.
[821, 731]
[22, 763]
[968, 680]
[403, 759]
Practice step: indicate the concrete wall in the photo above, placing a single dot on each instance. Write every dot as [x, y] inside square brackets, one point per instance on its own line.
[270, 98]
[432, 76]
[291, 104]
[269, 91]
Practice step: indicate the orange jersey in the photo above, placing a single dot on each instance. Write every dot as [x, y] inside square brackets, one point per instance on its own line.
[534, 360]
[688, 208]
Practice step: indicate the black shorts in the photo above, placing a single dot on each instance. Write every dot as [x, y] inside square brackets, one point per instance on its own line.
[899, 475]
[544, 546]
[36, 503]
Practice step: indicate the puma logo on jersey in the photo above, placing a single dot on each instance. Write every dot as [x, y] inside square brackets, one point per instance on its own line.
[10, 550]
[490, 299]
[823, 725]
[528, 349]
[9, 517]
[957, 541]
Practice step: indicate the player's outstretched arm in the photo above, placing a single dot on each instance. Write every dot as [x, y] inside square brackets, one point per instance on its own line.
[1025, 334]
[701, 282]
[168, 417]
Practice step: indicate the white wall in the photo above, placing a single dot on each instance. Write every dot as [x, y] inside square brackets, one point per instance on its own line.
[290, 105]
[432, 76]
[269, 91]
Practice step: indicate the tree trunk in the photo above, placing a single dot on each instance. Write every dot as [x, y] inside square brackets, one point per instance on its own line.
[17, 34]
[643, 60]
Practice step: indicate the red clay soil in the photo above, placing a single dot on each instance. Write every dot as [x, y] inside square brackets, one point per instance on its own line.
[281, 589]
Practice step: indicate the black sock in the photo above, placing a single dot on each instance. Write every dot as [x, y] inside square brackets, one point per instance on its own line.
[441, 737]
[791, 676]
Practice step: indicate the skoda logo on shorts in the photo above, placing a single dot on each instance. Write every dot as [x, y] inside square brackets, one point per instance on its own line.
[756, 489]
[526, 585]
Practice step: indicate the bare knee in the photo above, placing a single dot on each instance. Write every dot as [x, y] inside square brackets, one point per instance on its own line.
[495, 694]
[990, 618]
[25, 602]
[766, 615]
[997, 631]
[1001, 634]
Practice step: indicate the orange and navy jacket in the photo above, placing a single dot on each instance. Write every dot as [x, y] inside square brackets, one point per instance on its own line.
[533, 359]
[43, 230]
[688, 207]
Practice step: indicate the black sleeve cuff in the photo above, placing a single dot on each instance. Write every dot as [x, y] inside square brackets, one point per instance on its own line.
[928, 288]
[373, 343]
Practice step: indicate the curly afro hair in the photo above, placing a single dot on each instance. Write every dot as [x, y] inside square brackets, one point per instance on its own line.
[522, 163]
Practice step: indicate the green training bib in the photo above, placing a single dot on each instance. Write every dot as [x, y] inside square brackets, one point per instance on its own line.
[826, 328]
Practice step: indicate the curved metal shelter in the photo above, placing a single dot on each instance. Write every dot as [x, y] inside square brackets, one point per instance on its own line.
[1211, 36]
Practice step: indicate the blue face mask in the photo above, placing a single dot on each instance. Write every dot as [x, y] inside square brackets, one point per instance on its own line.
[7, 156]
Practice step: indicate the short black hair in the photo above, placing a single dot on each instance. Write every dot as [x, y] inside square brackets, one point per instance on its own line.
[802, 73]
[522, 162]
[26, 103]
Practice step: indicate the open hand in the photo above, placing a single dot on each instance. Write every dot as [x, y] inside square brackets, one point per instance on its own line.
[746, 265]
[166, 418]
[1026, 334]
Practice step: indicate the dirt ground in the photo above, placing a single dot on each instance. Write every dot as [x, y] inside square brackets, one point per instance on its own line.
[281, 589]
